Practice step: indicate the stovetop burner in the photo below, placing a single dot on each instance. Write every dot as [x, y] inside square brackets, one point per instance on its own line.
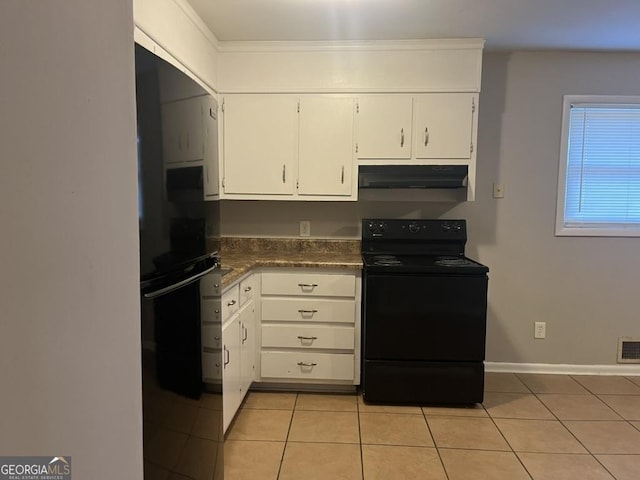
[386, 260]
[453, 261]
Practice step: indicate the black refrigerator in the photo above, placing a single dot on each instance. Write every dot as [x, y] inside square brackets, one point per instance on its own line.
[179, 236]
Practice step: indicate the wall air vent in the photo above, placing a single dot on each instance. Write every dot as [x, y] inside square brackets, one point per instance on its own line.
[628, 350]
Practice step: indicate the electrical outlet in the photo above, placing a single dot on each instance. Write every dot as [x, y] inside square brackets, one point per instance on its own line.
[498, 190]
[540, 330]
[305, 228]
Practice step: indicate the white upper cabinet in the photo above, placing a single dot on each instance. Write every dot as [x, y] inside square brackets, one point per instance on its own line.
[260, 144]
[443, 125]
[326, 146]
[384, 126]
[428, 128]
[288, 147]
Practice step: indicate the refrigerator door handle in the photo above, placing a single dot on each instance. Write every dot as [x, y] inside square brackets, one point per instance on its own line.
[180, 284]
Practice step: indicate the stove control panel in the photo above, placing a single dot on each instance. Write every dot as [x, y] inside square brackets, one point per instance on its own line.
[399, 229]
[375, 228]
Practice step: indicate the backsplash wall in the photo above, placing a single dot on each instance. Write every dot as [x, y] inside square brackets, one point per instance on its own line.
[328, 219]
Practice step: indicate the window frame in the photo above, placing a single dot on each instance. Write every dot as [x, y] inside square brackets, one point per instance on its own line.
[575, 231]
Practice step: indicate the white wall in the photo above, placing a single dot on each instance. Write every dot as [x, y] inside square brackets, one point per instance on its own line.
[584, 288]
[70, 341]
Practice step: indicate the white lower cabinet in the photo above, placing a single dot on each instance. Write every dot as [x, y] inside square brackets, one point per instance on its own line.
[231, 384]
[310, 327]
[238, 346]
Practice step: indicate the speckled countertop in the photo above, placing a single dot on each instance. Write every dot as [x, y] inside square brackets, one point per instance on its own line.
[245, 254]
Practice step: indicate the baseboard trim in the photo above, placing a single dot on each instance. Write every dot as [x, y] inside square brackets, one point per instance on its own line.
[565, 369]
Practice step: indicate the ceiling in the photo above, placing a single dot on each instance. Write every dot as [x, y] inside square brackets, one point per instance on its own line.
[505, 24]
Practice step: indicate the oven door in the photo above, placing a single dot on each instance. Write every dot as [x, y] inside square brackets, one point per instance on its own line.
[425, 317]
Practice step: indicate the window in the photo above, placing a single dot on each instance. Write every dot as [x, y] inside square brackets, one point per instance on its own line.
[599, 176]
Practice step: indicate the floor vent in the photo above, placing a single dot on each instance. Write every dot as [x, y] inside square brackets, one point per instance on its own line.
[628, 350]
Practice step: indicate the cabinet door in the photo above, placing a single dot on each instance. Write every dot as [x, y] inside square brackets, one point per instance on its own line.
[325, 165]
[443, 125]
[384, 126]
[211, 168]
[247, 347]
[260, 144]
[232, 390]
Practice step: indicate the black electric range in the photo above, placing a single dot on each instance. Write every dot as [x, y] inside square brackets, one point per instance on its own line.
[424, 313]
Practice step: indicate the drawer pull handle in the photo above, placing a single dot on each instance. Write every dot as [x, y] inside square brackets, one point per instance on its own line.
[307, 285]
[306, 364]
[231, 303]
[307, 311]
[226, 358]
[307, 338]
[248, 289]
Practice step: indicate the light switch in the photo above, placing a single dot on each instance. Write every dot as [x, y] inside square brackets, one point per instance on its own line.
[498, 190]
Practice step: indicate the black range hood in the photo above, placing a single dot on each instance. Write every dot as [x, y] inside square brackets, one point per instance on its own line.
[412, 176]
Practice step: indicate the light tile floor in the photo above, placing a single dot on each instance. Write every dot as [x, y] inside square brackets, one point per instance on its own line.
[530, 427]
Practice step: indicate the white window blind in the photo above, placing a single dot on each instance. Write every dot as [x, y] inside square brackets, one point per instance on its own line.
[602, 174]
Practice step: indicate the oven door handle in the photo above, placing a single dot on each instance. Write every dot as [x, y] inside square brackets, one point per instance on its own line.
[180, 284]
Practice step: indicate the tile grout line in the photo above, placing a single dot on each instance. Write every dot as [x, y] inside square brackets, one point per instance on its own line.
[515, 454]
[435, 445]
[360, 435]
[286, 440]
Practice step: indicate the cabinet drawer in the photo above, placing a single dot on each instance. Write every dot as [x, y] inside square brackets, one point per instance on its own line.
[304, 336]
[230, 301]
[211, 311]
[247, 290]
[211, 368]
[308, 310]
[212, 336]
[310, 284]
[210, 285]
[307, 365]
